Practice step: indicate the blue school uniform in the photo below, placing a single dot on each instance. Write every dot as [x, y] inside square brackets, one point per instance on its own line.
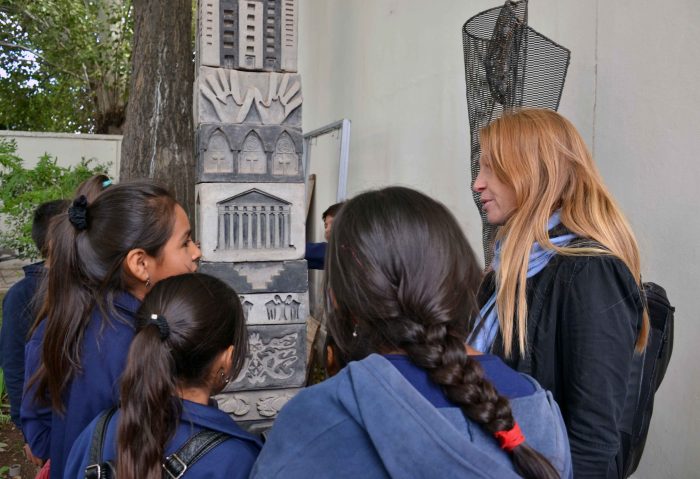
[232, 458]
[315, 255]
[374, 419]
[93, 389]
[18, 311]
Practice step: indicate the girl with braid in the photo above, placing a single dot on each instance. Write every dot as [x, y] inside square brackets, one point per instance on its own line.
[401, 283]
[190, 342]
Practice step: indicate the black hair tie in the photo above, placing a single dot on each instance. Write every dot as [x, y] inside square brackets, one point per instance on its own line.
[77, 214]
[162, 325]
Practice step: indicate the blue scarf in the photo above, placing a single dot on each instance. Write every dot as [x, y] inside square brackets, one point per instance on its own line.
[483, 339]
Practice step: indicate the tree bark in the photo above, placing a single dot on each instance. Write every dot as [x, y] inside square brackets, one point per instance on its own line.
[158, 138]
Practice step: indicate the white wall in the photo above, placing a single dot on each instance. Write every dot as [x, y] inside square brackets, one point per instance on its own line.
[395, 68]
[68, 148]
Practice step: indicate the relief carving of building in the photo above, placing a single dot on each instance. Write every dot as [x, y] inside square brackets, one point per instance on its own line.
[254, 220]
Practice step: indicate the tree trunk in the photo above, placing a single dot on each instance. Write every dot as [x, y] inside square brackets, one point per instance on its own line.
[158, 133]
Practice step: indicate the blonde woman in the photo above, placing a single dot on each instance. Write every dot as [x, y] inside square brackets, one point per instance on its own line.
[562, 302]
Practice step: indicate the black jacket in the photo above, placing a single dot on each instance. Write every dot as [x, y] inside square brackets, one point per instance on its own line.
[584, 315]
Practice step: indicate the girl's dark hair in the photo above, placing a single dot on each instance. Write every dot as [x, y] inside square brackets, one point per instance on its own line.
[93, 186]
[86, 270]
[402, 276]
[204, 317]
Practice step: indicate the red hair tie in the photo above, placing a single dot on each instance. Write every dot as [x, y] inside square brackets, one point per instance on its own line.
[511, 438]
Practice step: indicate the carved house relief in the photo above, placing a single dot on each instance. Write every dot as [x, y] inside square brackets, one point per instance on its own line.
[285, 161]
[289, 35]
[254, 220]
[229, 33]
[256, 35]
[250, 27]
[209, 38]
[218, 157]
[252, 158]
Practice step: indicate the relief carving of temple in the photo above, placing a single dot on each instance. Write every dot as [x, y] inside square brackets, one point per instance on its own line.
[254, 220]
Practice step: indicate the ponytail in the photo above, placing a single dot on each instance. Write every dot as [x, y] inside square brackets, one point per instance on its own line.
[149, 406]
[463, 381]
[182, 326]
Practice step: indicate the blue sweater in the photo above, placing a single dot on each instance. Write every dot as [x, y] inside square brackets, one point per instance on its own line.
[231, 459]
[96, 388]
[315, 255]
[18, 312]
[368, 421]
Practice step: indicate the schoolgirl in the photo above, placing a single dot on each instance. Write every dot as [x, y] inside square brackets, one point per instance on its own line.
[105, 255]
[190, 341]
[401, 282]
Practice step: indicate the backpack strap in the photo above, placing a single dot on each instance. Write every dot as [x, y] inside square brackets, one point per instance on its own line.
[196, 446]
[97, 468]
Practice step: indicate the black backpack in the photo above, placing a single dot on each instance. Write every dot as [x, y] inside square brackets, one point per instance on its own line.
[174, 465]
[654, 364]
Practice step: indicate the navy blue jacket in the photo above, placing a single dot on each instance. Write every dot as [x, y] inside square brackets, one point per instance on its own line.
[584, 315]
[315, 255]
[368, 421]
[231, 459]
[18, 313]
[96, 388]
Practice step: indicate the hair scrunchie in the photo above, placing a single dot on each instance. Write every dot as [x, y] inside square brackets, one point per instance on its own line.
[511, 438]
[77, 214]
[162, 325]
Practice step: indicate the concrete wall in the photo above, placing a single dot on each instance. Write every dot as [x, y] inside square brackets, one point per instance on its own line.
[68, 148]
[395, 68]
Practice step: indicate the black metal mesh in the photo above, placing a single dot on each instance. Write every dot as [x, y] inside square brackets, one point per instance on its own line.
[507, 65]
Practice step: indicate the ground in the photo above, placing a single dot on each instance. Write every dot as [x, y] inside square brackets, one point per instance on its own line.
[11, 443]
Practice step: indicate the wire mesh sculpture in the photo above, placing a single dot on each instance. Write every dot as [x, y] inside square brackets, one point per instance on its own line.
[507, 65]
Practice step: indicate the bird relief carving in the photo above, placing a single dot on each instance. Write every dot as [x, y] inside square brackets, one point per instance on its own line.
[269, 360]
[269, 406]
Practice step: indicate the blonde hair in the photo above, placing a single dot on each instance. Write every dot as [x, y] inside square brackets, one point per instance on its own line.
[541, 155]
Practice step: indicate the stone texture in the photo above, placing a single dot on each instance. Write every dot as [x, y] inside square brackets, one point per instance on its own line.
[242, 153]
[251, 221]
[276, 358]
[232, 96]
[261, 277]
[255, 405]
[275, 308]
[208, 33]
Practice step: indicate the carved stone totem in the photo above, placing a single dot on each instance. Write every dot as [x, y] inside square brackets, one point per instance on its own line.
[250, 193]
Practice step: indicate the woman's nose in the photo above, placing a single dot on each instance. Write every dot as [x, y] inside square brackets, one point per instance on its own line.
[479, 184]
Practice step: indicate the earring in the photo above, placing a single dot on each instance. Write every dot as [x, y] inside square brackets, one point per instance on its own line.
[354, 331]
[148, 282]
[225, 379]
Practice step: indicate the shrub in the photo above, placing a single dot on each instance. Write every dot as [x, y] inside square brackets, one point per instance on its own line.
[22, 190]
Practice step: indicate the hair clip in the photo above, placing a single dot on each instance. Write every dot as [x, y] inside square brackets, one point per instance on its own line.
[511, 438]
[162, 325]
[77, 213]
[106, 183]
